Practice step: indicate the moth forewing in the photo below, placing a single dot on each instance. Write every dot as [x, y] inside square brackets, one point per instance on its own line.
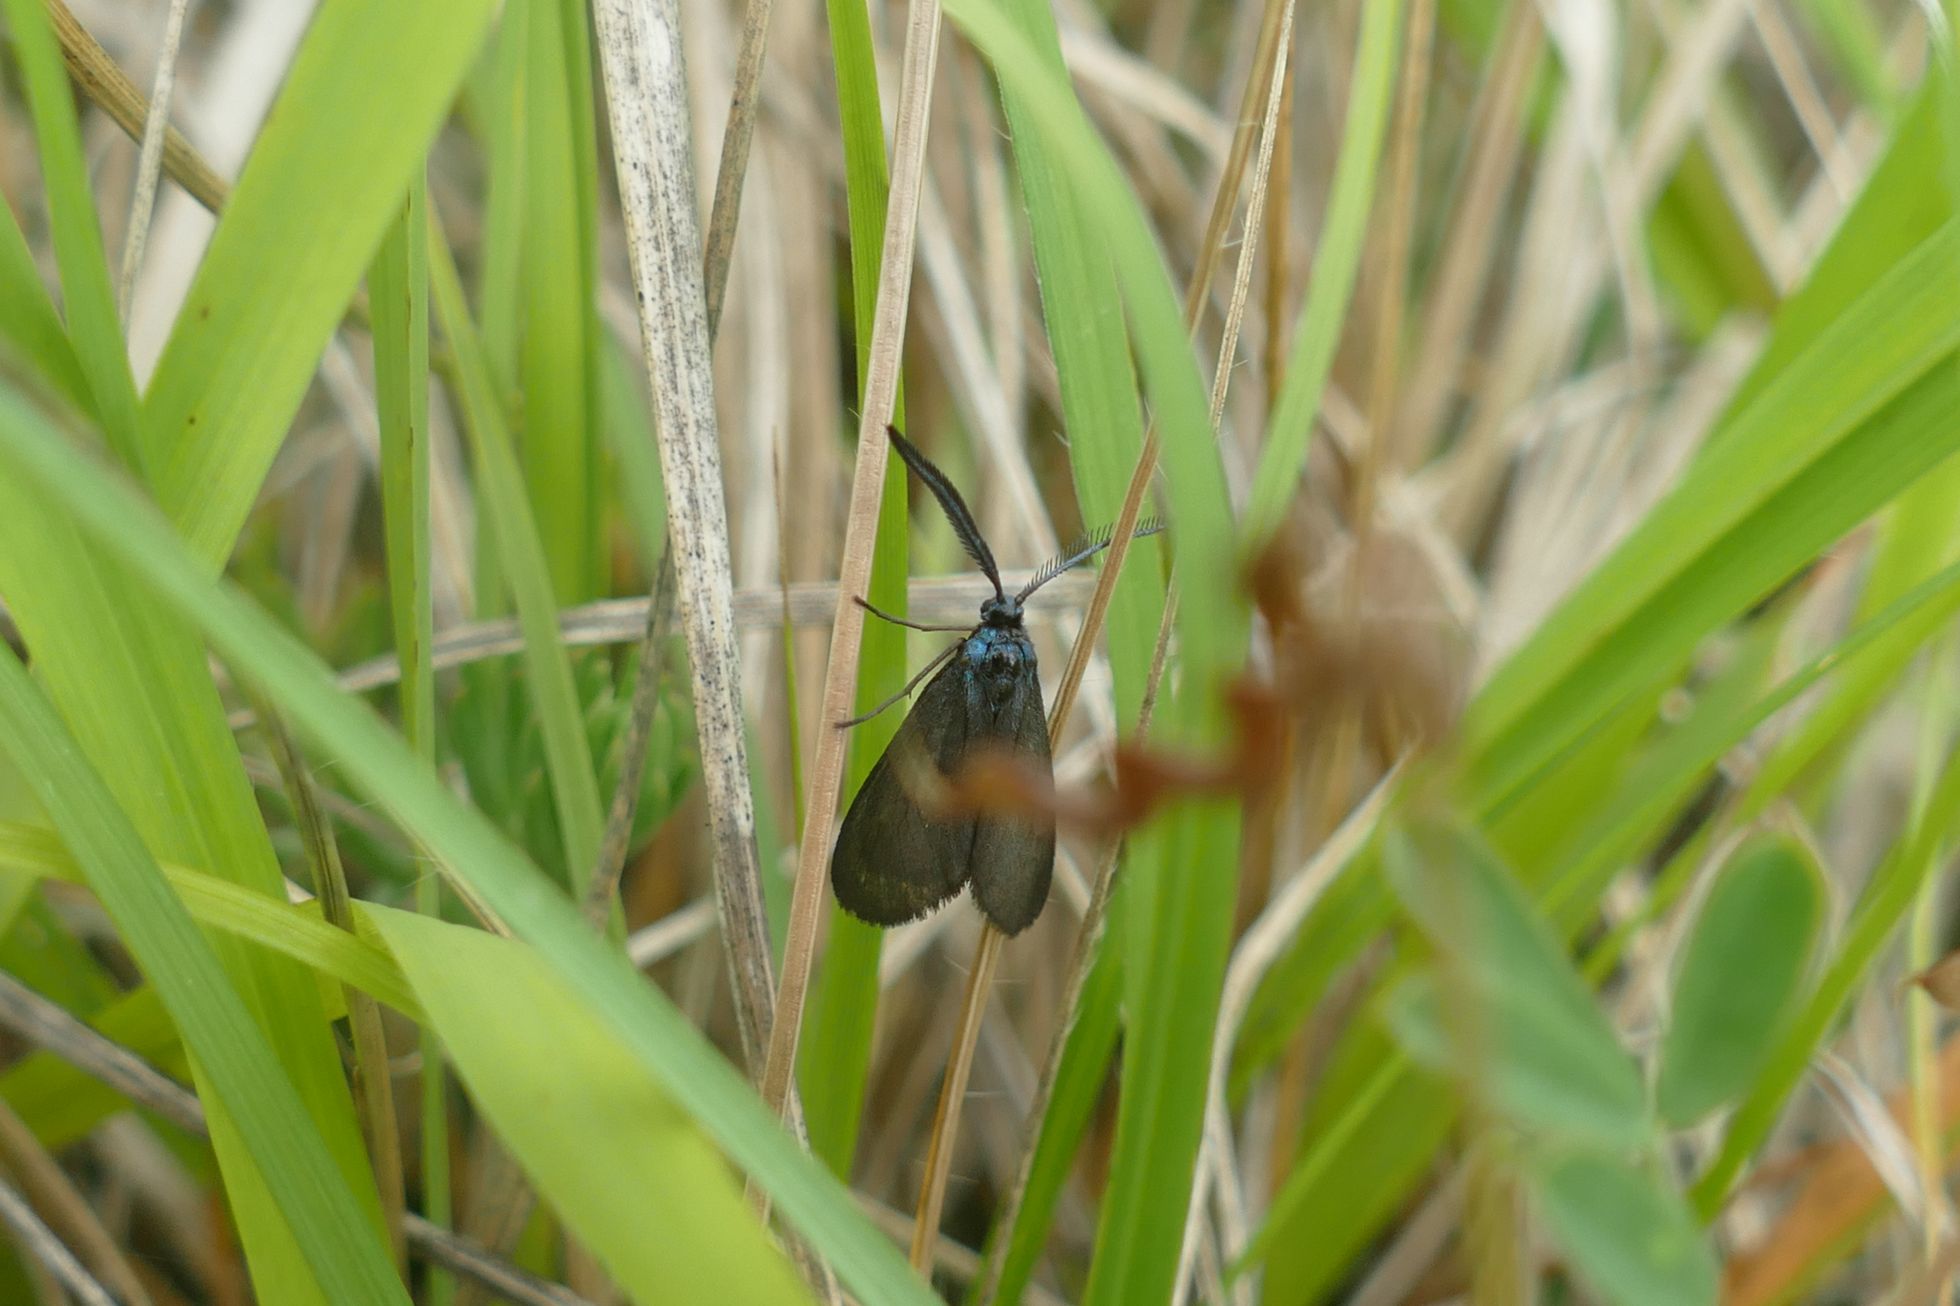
[893, 862]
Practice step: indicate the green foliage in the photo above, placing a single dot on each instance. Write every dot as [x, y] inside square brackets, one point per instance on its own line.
[1742, 969]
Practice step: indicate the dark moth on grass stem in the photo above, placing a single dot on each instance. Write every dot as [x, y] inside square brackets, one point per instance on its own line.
[900, 853]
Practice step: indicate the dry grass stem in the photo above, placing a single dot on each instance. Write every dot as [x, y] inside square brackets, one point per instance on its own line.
[854, 571]
[374, 1095]
[604, 885]
[646, 103]
[946, 1117]
[149, 161]
[104, 82]
[743, 105]
[42, 1179]
[40, 1243]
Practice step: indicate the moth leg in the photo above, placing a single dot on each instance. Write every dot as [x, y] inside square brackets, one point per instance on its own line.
[900, 621]
[910, 684]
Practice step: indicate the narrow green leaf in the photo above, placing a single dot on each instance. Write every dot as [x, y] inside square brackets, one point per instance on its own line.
[367, 90]
[1869, 375]
[834, 1056]
[296, 931]
[628, 1172]
[558, 433]
[1181, 870]
[1079, 1087]
[28, 323]
[398, 303]
[500, 483]
[343, 1254]
[1742, 969]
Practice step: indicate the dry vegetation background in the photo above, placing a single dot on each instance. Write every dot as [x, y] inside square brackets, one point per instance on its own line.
[1591, 362]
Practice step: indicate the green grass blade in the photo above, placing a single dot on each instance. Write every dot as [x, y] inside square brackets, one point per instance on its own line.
[500, 484]
[466, 845]
[628, 1160]
[834, 1056]
[398, 304]
[28, 323]
[1082, 308]
[1078, 1089]
[296, 931]
[559, 338]
[368, 88]
[345, 1261]
[1178, 899]
[88, 294]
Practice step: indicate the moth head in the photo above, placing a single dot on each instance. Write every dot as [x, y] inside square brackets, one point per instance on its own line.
[1001, 611]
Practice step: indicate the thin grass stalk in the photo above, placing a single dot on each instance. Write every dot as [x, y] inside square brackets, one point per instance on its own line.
[946, 1117]
[603, 889]
[149, 160]
[373, 1085]
[854, 572]
[1279, 260]
[68, 1211]
[732, 171]
[1259, 949]
[736, 138]
[40, 1242]
[1469, 247]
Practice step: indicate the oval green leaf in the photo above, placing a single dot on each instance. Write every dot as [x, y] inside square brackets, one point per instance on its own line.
[1741, 970]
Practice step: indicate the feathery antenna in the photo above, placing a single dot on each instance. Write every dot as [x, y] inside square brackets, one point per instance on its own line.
[1084, 548]
[951, 504]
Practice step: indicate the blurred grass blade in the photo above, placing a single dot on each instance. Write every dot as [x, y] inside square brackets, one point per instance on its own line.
[1507, 1008]
[344, 1258]
[371, 83]
[398, 303]
[1743, 968]
[28, 322]
[1083, 311]
[628, 1160]
[466, 846]
[1791, 472]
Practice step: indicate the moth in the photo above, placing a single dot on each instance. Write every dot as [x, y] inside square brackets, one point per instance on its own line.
[893, 861]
